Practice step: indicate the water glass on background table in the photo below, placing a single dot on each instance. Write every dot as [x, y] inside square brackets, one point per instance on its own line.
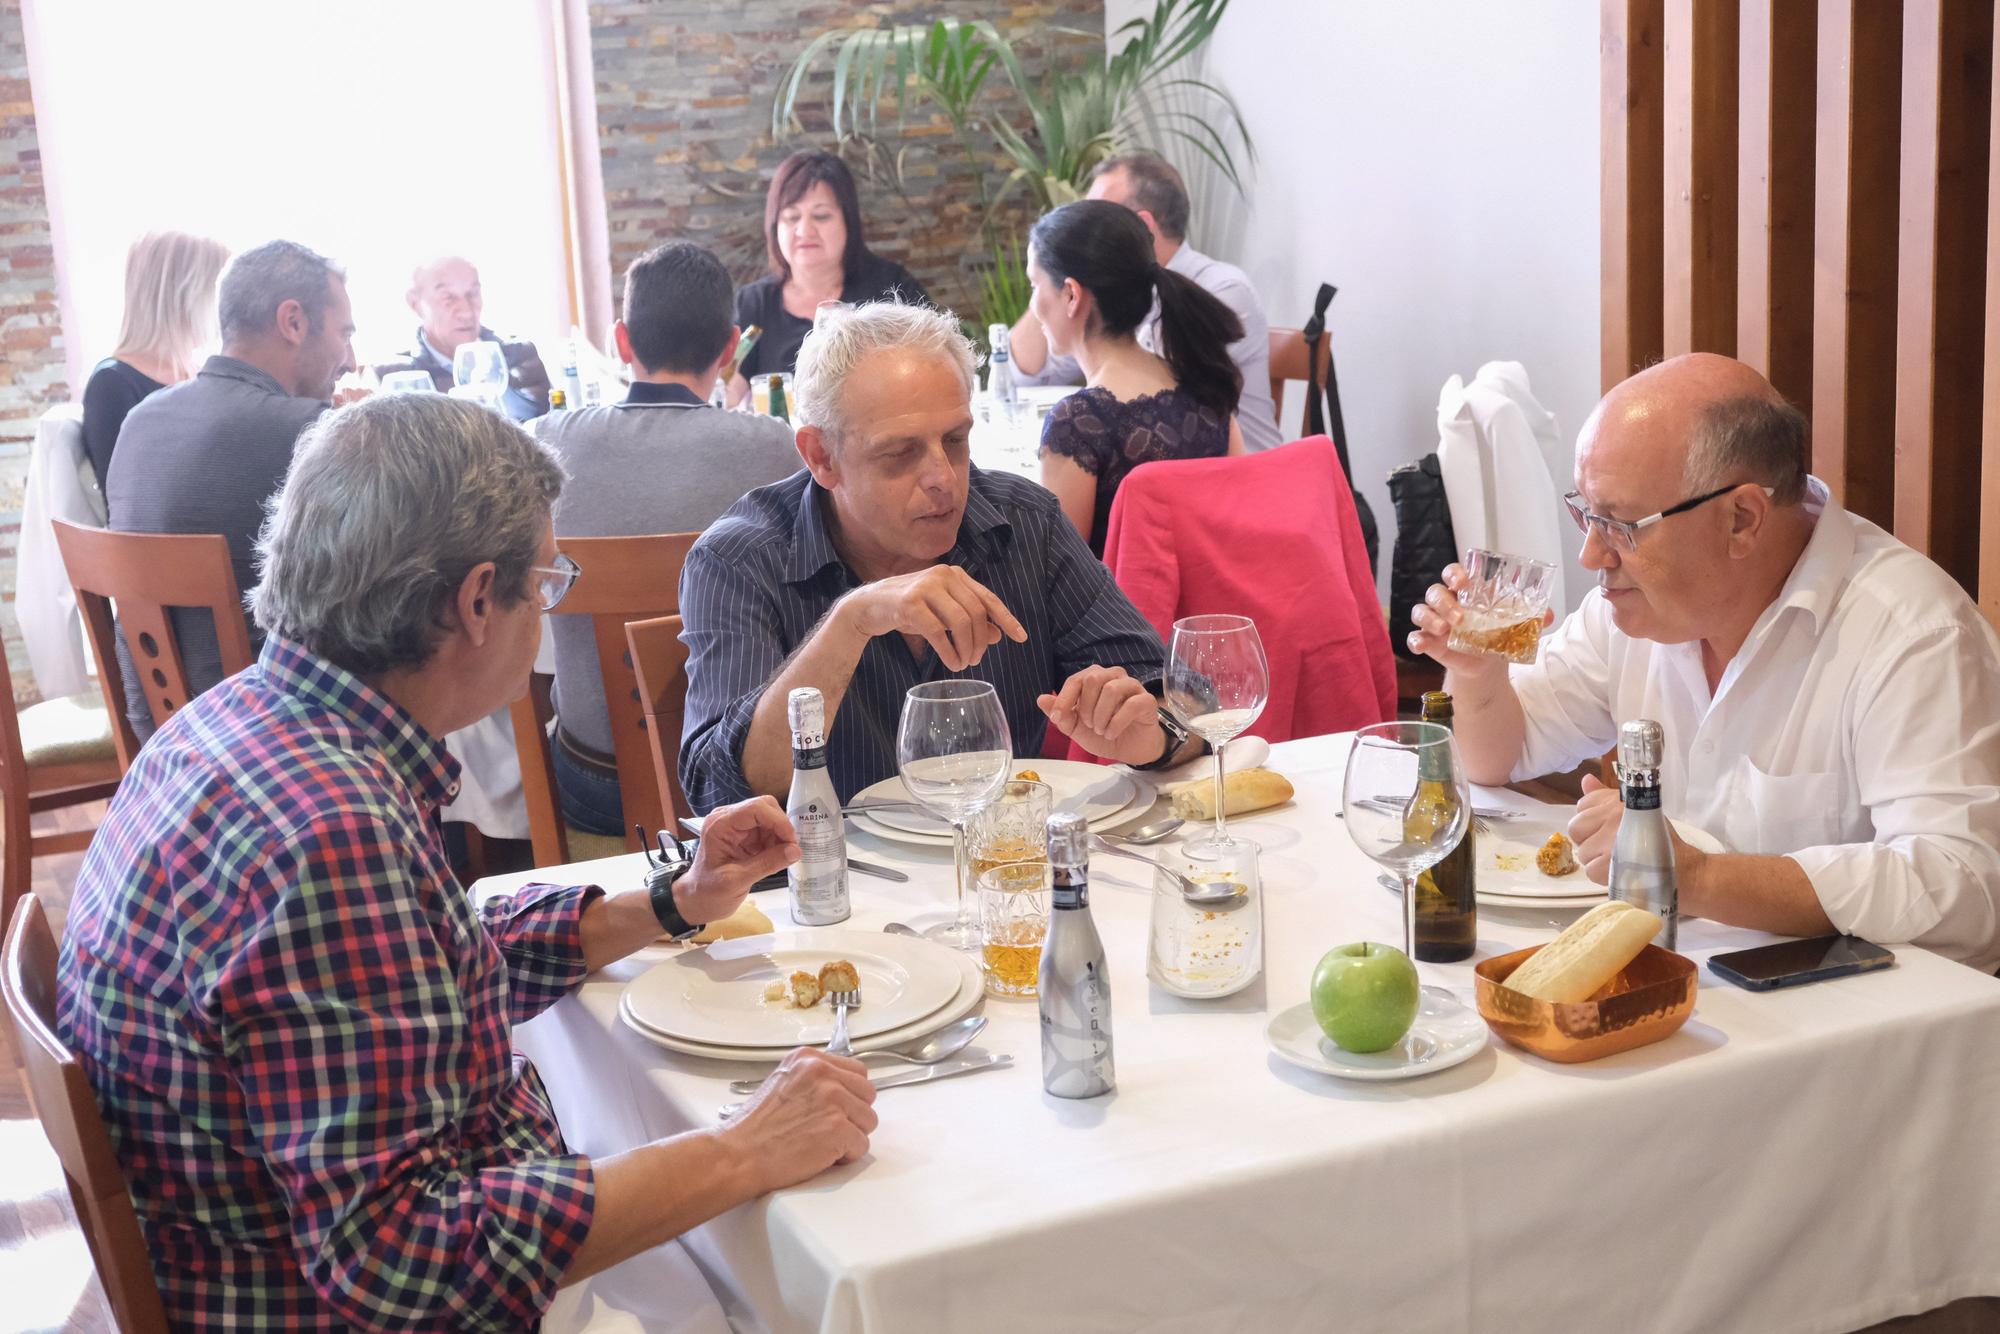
[408, 382]
[1502, 601]
[481, 364]
[1013, 923]
[1015, 828]
[1415, 766]
[954, 753]
[1216, 684]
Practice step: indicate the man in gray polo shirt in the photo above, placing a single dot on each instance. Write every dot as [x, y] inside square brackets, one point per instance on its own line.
[203, 456]
[662, 461]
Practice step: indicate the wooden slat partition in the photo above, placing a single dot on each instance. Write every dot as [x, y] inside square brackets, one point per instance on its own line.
[1700, 91]
[1774, 273]
[1941, 281]
[1632, 185]
[1814, 186]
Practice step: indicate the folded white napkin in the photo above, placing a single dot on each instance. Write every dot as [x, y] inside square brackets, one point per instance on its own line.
[1246, 752]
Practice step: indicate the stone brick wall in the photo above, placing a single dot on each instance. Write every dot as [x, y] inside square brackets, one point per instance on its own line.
[684, 93]
[32, 375]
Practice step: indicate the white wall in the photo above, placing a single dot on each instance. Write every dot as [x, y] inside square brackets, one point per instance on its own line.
[1437, 161]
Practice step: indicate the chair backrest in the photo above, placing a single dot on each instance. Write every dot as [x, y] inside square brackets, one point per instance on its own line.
[620, 579]
[145, 574]
[1289, 362]
[68, 1111]
[659, 659]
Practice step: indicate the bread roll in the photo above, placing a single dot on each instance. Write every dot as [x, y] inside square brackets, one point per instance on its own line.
[747, 920]
[1244, 791]
[1588, 954]
[839, 975]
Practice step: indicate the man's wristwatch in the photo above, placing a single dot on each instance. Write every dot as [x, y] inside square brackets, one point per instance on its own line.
[661, 876]
[1176, 738]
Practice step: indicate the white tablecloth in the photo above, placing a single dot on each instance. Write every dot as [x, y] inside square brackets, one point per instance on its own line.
[1806, 1160]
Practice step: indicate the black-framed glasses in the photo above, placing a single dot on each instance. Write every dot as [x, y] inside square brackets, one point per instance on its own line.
[551, 582]
[1623, 534]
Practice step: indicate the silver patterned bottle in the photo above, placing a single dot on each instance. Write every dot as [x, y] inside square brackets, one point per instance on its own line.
[1074, 988]
[1642, 856]
[818, 879]
[1000, 380]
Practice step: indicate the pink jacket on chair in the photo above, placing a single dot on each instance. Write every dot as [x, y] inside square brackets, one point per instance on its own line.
[1272, 536]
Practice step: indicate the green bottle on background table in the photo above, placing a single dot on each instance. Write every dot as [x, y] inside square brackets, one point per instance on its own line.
[1447, 915]
[779, 408]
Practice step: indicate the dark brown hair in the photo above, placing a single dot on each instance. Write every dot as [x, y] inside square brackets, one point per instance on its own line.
[798, 174]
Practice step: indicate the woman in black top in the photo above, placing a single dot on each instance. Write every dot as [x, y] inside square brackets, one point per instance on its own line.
[170, 319]
[812, 232]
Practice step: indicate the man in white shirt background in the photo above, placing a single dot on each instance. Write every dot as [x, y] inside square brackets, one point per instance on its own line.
[1831, 698]
[1150, 187]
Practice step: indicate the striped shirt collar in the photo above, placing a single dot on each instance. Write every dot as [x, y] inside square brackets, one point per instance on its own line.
[418, 758]
[812, 549]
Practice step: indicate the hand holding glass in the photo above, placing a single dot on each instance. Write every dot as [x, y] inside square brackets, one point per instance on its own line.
[1415, 767]
[1216, 684]
[954, 753]
[1501, 605]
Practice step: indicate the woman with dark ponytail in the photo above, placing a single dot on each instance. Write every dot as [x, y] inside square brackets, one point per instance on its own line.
[1095, 280]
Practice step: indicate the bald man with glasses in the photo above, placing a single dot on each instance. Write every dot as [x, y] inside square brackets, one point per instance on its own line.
[1831, 698]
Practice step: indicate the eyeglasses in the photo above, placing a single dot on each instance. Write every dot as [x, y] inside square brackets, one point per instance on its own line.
[1623, 534]
[551, 583]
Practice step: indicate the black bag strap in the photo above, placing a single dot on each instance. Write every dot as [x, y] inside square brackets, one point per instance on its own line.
[1318, 422]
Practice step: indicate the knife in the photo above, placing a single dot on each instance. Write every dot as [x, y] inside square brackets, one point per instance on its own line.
[853, 863]
[1392, 807]
[993, 1061]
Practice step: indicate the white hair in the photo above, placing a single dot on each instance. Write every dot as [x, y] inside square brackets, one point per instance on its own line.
[839, 341]
[1750, 439]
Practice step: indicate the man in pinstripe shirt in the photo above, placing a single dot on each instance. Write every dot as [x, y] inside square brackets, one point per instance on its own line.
[891, 561]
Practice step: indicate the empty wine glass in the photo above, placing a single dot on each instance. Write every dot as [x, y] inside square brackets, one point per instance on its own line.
[954, 752]
[1405, 803]
[481, 364]
[1216, 683]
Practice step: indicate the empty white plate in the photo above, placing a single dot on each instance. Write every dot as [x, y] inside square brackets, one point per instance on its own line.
[1447, 1032]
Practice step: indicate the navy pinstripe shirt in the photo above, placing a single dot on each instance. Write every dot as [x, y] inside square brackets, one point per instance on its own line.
[765, 574]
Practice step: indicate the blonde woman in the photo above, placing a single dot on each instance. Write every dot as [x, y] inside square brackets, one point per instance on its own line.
[170, 319]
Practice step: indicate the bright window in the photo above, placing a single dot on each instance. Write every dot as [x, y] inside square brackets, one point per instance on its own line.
[377, 133]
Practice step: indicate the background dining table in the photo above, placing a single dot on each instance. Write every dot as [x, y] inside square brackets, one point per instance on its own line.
[1813, 1159]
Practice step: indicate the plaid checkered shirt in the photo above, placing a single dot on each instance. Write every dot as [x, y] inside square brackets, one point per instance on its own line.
[298, 1026]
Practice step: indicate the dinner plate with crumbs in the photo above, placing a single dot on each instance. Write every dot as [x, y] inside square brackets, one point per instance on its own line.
[1103, 795]
[723, 994]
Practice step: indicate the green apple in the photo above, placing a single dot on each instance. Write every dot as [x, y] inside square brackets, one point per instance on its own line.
[1364, 995]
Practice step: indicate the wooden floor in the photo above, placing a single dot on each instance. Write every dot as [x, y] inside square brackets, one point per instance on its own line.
[46, 1282]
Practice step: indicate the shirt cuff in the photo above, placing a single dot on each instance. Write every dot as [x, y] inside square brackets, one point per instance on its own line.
[539, 931]
[1866, 890]
[543, 1209]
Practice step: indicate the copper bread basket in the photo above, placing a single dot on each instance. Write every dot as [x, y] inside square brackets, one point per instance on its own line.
[1647, 1001]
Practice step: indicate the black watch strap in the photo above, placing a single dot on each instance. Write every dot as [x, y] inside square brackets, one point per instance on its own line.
[660, 882]
[1176, 738]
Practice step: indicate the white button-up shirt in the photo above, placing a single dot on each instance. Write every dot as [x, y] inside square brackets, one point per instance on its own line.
[1857, 731]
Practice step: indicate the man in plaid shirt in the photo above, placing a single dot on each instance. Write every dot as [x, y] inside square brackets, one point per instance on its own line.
[296, 1023]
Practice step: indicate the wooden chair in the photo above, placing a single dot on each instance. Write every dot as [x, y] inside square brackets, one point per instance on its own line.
[1288, 362]
[67, 1108]
[145, 574]
[659, 660]
[620, 579]
[54, 754]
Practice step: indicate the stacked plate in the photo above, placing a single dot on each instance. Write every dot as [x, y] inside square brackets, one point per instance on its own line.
[710, 1002]
[1104, 796]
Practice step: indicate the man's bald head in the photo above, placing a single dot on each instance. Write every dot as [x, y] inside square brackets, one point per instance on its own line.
[1705, 421]
[444, 292]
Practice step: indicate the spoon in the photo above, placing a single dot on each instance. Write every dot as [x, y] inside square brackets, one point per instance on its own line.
[927, 1050]
[1209, 894]
[898, 929]
[1146, 833]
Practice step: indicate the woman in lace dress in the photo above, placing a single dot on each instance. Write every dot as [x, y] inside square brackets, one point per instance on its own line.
[1094, 278]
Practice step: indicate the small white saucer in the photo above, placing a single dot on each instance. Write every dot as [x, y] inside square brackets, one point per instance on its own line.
[1447, 1031]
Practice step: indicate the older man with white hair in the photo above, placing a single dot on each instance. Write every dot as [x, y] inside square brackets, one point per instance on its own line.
[1831, 699]
[449, 304]
[296, 1022]
[890, 561]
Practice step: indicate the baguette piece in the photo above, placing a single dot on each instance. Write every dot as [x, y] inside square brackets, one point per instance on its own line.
[747, 920]
[839, 975]
[1588, 954]
[1244, 791]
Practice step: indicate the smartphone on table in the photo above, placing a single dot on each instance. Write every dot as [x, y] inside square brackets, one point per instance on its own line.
[1792, 963]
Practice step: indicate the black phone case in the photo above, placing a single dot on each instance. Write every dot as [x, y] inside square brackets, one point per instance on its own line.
[1729, 974]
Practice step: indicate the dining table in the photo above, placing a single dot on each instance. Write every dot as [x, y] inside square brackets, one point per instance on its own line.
[1817, 1158]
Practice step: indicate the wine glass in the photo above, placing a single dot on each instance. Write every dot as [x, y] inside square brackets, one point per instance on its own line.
[1216, 683]
[1405, 803]
[954, 752]
[482, 365]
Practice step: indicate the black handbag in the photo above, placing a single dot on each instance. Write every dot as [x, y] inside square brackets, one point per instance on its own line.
[1425, 544]
[1330, 422]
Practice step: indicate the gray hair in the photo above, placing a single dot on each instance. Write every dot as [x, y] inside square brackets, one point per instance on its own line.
[389, 504]
[258, 281]
[1156, 189]
[1750, 439]
[841, 340]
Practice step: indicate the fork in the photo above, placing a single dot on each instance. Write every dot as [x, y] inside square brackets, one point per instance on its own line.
[843, 1001]
[1481, 824]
